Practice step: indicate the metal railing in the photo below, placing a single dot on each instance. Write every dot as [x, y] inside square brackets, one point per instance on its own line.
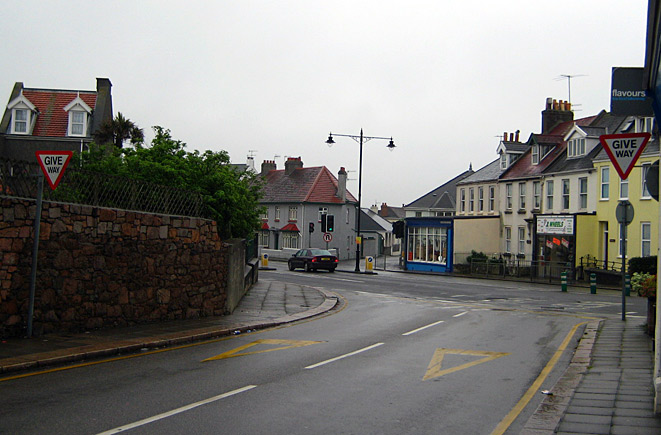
[535, 271]
[79, 186]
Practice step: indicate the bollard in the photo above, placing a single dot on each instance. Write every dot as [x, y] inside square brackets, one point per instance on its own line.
[563, 280]
[265, 260]
[627, 285]
[593, 283]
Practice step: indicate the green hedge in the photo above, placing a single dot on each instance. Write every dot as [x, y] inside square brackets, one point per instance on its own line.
[642, 265]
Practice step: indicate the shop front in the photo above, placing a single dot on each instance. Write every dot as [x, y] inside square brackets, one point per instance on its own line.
[429, 244]
[555, 245]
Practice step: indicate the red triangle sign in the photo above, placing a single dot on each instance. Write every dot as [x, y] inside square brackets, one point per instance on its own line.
[53, 164]
[624, 150]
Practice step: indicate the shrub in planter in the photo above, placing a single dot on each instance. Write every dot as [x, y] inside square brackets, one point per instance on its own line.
[644, 284]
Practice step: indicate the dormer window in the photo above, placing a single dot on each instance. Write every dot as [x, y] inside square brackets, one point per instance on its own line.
[23, 115]
[535, 154]
[576, 148]
[79, 113]
[503, 161]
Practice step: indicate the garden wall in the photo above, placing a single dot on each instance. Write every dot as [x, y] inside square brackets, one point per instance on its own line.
[101, 267]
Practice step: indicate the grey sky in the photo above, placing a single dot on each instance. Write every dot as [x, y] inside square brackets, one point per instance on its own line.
[444, 78]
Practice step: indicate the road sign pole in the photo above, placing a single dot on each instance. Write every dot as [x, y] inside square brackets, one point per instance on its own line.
[35, 251]
[623, 235]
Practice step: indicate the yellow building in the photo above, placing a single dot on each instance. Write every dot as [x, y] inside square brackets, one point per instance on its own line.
[642, 234]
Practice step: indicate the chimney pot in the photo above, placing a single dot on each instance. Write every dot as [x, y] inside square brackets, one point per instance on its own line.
[517, 135]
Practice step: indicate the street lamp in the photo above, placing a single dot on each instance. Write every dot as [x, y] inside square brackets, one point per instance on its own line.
[360, 139]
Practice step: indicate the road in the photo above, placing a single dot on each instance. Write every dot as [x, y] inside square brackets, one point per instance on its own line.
[401, 354]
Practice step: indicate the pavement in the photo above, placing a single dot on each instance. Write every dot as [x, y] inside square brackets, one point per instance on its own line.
[607, 388]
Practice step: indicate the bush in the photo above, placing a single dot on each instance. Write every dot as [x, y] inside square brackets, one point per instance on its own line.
[476, 256]
[644, 284]
[642, 265]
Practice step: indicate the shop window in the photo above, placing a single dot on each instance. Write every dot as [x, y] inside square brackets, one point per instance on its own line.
[428, 244]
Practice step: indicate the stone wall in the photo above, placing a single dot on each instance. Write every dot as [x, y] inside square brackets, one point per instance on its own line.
[101, 267]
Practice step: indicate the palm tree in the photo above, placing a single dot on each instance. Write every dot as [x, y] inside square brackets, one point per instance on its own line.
[117, 130]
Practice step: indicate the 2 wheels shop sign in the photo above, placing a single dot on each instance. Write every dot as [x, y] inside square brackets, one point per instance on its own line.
[555, 225]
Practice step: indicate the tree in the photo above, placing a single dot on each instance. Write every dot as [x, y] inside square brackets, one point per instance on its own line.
[117, 130]
[230, 197]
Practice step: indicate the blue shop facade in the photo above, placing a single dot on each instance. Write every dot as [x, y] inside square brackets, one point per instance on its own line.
[429, 244]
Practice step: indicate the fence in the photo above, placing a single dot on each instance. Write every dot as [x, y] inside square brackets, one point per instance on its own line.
[79, 186]
[535, 271]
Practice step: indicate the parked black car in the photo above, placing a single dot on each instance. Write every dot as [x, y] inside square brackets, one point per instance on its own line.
[313, 259]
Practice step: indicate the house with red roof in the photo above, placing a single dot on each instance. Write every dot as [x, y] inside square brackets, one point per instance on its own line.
[38, 119]
[295, 199]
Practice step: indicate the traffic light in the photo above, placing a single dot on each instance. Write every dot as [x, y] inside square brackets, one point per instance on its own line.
[324, 222]
[312, 227]
[330, 223]
[398, 229]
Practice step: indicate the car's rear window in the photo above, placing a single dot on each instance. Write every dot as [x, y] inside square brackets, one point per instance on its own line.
[320, 252]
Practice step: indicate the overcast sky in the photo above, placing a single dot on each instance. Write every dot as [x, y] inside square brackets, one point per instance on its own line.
[443, 78]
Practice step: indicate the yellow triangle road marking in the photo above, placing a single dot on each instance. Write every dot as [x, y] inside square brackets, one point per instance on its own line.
[285, 344]
[434, 370]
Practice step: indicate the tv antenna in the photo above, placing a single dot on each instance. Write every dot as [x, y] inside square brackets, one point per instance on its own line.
[569, 77]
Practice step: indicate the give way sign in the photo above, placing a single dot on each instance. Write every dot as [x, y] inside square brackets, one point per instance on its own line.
[53, 164]
[624, 150]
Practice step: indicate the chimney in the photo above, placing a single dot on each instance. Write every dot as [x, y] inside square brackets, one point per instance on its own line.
[342, 184]
[384, 210]
[555, 113]
[292, 163]
[517, 135]
[250, 163]
[267, 166]
[504, 136]
[103, 105]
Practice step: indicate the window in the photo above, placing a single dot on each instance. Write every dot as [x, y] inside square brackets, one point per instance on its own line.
[624, 189]
[576, 147]
[645, 192]
[480, 199]
[428, 244]
[508, 196]
[265, 213]
[418, 214]
[293, 213]
[583, 192]
[462, 196]
[644, 125]
[492, 198]
[536, 195]
[264, 238]
[20, 121]
[522, 240]
[277, 213]
[565, 194]
[471, 198]
[549, 195]
[508, 239]
[503, 161]
[522, 196]
[322, 210]
[605, 180]
[645, 239]
[348, 212]
[290, 239]
[77, 123]
[535, 154]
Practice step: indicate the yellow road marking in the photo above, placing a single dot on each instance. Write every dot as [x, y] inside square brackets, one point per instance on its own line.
[514, 413]
[434, 368]
[288, 344]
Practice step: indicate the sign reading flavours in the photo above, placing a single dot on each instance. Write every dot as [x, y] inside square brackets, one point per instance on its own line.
[555, 225]
[627, 93]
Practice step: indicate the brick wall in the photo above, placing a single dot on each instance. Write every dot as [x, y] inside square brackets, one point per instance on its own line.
[102, 267]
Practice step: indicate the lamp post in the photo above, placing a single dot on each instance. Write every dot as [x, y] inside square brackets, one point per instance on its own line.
[360, 139]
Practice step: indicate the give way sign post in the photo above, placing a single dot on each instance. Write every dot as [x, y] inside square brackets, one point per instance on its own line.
[53, 164]
[624, 150]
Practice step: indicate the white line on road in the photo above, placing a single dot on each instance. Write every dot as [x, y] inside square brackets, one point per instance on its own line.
[460, 314]
[314, 366]
[176, 411]
[424, 327]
